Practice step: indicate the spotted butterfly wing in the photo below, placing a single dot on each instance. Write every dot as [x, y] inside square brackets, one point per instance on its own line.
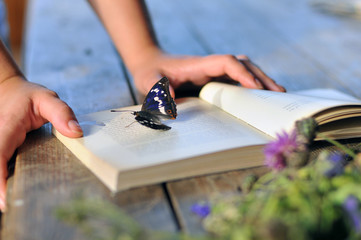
[158, 104]
[149, 120]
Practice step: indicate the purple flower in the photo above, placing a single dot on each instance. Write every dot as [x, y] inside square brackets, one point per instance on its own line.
[351, 205]
[338, 162]
[202, 210]
[276, 152]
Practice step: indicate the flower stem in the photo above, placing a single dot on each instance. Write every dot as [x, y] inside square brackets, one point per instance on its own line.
[339, 145]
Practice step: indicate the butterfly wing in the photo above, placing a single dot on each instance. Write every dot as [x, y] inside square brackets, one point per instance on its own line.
[159, 101]
[151, 121]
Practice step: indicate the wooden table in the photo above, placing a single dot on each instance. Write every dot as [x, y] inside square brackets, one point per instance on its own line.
[67, 50]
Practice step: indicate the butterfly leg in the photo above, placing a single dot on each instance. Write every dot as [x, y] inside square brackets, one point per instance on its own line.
[130, 124]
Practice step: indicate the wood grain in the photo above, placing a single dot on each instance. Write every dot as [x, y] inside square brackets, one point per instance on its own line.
[205, 189]
[71, 54]
[67, 50]
[328, 42]
[47, 176]
[231, 27]
[297, 46]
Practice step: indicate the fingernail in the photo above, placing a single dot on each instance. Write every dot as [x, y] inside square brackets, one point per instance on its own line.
[282, 89]
[259, 85]
[75, 127]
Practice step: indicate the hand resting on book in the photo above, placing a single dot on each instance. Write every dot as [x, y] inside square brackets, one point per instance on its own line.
[200, 70]
[143, 58]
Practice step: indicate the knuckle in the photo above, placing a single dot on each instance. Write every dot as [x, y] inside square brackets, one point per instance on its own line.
[52, 93]
[229, 57]
[63, 107]
[221, 57]
[243, 57]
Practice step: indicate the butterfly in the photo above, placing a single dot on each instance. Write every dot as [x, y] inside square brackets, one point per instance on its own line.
[157, 105]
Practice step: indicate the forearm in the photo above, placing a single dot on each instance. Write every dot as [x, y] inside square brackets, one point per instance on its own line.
[8, 67]
[127, 23]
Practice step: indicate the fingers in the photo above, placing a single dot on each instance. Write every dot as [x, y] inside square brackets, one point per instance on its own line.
[171, 90]
[60, 115]
[239, 72]
[25, 106]
[13, 135]
[3, 176]
[200, 70]
[150, 80]
[259, 75]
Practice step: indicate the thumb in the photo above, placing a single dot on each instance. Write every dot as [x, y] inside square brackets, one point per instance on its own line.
[3, 176]
[61, 116]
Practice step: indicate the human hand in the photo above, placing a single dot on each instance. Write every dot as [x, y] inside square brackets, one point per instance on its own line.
[26, 106]
[200, 70]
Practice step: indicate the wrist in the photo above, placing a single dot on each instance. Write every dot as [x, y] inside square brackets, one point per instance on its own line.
[12, 82]
[148, 56]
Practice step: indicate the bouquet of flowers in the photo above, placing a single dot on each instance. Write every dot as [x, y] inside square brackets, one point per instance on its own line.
[302, 197]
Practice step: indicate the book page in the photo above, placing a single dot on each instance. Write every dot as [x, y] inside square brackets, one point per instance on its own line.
[268, 111]
[326, 93]
[200, 128]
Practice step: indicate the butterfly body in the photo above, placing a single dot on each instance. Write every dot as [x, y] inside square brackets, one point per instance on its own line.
[158, 104]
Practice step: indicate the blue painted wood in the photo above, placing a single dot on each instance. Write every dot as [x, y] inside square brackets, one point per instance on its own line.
[295, 44]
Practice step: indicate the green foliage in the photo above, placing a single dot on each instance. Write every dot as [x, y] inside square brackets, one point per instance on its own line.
[300, 202]
[295, 204]
[102, 220]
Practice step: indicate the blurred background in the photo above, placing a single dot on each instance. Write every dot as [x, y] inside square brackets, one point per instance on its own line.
[16, 14]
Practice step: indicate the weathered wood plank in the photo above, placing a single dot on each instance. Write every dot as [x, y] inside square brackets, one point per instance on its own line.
[281, 41]
[330, 42]
[47, 177]
[173, 33]
[37, 191]
[230, 27]
[68, 51]
[185, 193]
[268, 35]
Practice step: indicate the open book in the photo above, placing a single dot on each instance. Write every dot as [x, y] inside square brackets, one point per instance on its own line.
[224, 129]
